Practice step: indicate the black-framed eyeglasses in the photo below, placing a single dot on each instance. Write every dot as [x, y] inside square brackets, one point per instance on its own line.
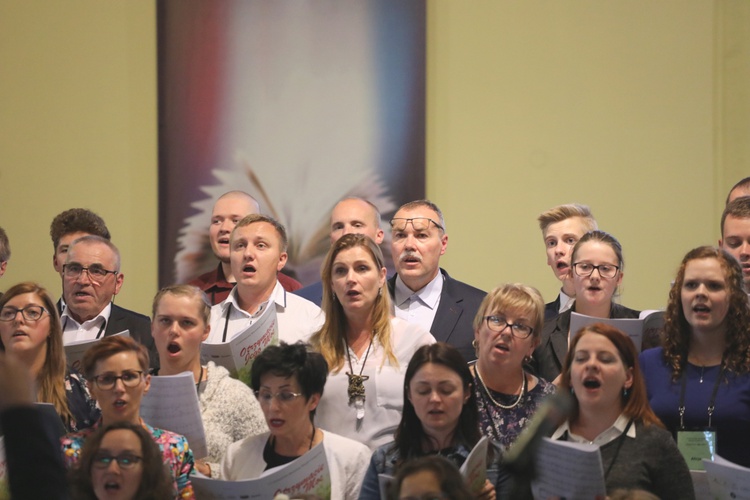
[29, 313]
[124, 460]
[283, 397]
[129, 378]
[584, 269]
[96, 272]
[499, 323]
[418, 223]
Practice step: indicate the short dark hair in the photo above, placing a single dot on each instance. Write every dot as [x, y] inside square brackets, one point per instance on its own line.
[410, 436]
[602, 237]
[77, 220]
[452, 483]
[156, 482]
[741, 184]
[738, 208]
[292, 360]
[4, 246]
[109, 346]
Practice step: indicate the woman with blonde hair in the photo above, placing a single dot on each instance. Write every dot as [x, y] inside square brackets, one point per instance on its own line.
[366, 349]
[30, 329]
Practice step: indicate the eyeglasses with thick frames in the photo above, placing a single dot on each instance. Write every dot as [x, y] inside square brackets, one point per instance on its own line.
[499, 323]
[283, 397]
[124, 460]
[584, 269]
[29, 313]
[418, 223]
[107, 381]
[96, 272]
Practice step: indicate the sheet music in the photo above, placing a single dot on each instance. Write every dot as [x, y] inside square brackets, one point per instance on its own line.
[633, 328]
[568, 470]
[172, 404]
[74, 351]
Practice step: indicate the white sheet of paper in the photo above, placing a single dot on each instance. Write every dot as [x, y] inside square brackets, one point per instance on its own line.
[568, 470]
[237, 354]
[172, 404]
[308, 474]
[727, 479]
[474, 469]
[633, 328]
[74, 351]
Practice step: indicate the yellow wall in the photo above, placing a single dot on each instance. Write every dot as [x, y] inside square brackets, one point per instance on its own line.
[620, 105]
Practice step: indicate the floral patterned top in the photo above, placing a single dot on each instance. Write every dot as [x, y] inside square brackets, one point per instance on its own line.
[177, 455]
[504, 425]
[81, 405]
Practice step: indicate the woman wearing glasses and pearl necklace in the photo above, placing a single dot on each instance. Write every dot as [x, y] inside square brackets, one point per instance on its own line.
[596, 270]
[116, 369]
[506, 331]
[30, 329]
[288, 381]
[366, 349]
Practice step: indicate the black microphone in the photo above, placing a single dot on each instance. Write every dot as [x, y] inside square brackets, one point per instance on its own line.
[519, 459]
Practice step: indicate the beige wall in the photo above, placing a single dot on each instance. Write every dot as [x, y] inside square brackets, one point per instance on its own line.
[616, 104]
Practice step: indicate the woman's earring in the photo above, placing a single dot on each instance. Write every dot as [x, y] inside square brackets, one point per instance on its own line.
[625, 392]
[333, 296]
[380, 291]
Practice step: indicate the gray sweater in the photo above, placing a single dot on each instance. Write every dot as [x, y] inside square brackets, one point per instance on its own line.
[230, 413]
[649, 462]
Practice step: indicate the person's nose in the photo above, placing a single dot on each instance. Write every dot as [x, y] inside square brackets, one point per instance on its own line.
[434, 396]
[226, 226]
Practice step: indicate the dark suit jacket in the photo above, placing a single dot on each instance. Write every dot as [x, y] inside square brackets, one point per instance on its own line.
[32, 449]
[549, 357]
[552, 309]
[139, 326]
[313, 293]
[458, 305]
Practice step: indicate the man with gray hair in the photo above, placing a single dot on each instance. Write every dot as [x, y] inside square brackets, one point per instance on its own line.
[91, 278]
[422, 292]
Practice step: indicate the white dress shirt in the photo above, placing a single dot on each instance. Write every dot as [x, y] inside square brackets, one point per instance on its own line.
[418, 307]
[89, 330]
[297, 318]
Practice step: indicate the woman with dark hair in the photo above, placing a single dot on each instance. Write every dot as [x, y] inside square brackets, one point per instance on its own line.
[30, 329]
[611, 410]
[121, 461]
[429, 477]
[117, 372]
[596, 269]
[366, 349]
[439, 417]
[288, 381]
[700, 378]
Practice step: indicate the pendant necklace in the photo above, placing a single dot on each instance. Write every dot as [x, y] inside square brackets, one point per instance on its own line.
[522, 390]
[356, 388]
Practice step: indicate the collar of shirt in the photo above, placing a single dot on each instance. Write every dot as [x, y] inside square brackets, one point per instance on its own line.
[566, 302]
[69, 323]
[605, 437]
[278, 297]
[429, 295]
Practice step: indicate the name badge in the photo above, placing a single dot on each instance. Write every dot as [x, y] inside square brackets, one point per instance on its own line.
[697, 445]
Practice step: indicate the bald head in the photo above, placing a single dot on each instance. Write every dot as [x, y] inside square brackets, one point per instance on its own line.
[357, 216]
[229, 209]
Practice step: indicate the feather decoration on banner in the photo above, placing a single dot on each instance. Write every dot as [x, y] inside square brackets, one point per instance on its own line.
[305, 217]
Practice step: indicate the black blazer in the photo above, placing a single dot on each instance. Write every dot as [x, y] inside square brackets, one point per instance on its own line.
[552, 309]
[549, 356]
[458, 305]
[138, 325]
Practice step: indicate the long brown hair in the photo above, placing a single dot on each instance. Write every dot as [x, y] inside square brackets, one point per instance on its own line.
[51, 378]
[635, 403]
[329, 340]
[677, 330]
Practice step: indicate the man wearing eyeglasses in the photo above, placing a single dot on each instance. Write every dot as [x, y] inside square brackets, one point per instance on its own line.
[91, 278]
[422, 292]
